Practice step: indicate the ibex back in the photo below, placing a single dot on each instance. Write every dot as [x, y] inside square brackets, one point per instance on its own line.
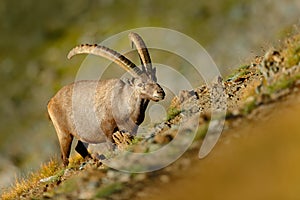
[92, 110]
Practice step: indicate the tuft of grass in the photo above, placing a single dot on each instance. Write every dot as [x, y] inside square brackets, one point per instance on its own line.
[108, 190]
[292, 51]
[75, 161]
[172, 113]
[240, 71]
[136, 140]
[283, 83]
[22, 186]
[249, 106]
[294, 57]
[280, 85]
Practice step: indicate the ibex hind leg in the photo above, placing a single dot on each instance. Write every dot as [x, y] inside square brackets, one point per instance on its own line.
[65, 141]
[81, 148]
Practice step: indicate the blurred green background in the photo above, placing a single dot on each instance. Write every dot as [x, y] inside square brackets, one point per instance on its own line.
[35, 37]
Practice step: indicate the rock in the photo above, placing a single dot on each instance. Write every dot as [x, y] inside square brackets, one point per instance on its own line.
[111, 174]
[48, 179]
[281, 93]
[185, 163]
[164, 178]
[140, 177]
[124, 177]
[85, 194]
[68, 172]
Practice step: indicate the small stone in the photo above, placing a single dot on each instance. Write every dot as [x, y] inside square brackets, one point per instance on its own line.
[48, 195]
[125, 177]
[82, 166]
[235, 112]
[111, 174]
[250, 99]
[48, 179]
[185, 162]
[282, 93]
[164, 178]
[93, 184]
[67, 172]
[85, 195]
[141, 194]
[140, 177]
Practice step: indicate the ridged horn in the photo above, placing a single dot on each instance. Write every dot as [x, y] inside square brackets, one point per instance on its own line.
[144, 54]
[108, 53]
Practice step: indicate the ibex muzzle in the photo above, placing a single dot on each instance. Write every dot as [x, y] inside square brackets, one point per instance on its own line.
[92, 110]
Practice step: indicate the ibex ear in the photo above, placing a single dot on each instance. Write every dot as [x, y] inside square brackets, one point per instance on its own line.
[145, 77]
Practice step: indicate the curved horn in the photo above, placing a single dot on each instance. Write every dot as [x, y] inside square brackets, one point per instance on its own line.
[144, 54]
[108, 53]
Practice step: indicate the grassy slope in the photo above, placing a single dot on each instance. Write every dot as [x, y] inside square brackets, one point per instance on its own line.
[64, 180]
[35, 37]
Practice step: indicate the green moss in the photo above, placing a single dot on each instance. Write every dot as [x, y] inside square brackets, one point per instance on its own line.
[172, 113]
[67, 186]
[241, 71]
[291, 51]
[249, 106]
[280, 85]
[201, 132]
[283, 83]
[108, 190]
[297, 77]
[75, 162]
[293, 57]
[136, 140]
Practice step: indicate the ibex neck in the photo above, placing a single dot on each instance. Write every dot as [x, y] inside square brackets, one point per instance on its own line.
[139, 114]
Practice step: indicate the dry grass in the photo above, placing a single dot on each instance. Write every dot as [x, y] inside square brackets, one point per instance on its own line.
[24, 185]
[291, 51]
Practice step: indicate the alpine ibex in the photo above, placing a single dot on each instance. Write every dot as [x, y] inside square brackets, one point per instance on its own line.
[92, 111]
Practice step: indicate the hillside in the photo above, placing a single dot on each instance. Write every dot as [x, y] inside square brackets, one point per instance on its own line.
[36, 36]
[253, 93]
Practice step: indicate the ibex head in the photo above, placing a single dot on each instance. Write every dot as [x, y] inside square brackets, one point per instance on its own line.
[145, 79]
[149, 90]
[146, 84]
